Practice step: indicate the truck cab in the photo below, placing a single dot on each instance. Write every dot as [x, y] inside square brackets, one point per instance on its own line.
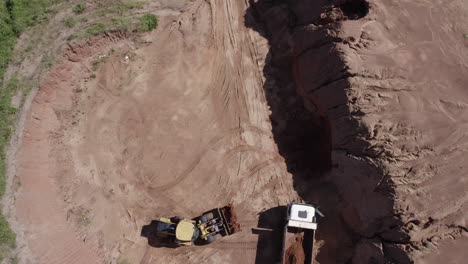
[299, 234]
[301, 216]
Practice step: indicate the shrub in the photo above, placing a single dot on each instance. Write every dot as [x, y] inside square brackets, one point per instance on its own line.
[147, 22]
[70, 22]
[121, 23]
[123, 7]
[47, 61]
[96, 29]
[7, 237]
[15, 17]
[79, 8]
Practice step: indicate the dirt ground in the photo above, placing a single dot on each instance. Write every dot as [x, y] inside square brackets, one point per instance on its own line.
[357, 108]
[161, 130]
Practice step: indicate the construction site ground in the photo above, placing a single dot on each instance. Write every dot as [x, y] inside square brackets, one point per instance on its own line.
[354, 106]
[161, 130]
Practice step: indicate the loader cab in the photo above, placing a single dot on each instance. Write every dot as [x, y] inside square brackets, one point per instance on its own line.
[165, 228]
[182, 231]
[186, 232]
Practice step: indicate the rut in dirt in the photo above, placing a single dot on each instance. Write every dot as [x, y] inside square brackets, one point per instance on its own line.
[302, 63]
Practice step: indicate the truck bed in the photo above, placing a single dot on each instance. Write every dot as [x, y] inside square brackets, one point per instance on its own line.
[297, 246]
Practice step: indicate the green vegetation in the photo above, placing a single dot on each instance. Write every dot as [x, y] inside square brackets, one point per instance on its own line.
[84, 219]
[7, 38]
[47, 61]
[15, 17]
[127, 6]
[14, 260]
[121, 8]
[70, 22]
[116, 24]
[95, 64]
[147, 23]
[121, 24]
[123, 261]
[7, 114]
[79, 8]
[97, 29]
[7, 237]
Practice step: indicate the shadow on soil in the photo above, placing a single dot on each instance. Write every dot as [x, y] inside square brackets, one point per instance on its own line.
[303, 137]
[270, 232]
[149, 231]
[303, 132]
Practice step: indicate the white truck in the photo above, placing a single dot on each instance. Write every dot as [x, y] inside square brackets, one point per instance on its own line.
[299, 234]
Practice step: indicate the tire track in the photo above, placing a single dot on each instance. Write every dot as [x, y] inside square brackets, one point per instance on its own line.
[212, 143]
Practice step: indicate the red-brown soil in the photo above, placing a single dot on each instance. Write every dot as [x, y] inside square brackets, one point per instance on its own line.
[391, 85]
[231, 217]
[158, 130]
[360, 109]
[295, 252]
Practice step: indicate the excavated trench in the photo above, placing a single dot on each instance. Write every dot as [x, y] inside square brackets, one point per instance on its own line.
[305, 76]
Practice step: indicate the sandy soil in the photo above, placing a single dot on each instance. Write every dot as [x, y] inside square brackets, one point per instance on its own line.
[410, 84]
[387, 80]
[359, 110]
[162, 130]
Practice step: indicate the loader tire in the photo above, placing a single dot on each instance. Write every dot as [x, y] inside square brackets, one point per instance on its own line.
[211, 239]
[209, 216]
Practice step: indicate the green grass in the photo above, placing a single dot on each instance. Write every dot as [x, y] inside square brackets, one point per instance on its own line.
[15, 17]
[14, 260]
[121, 7]
[84, 220]
[70, 22]
[121, 24]
[47, 61]
[7, 114]
[147, 22]
[7, 237]
[123, 261]
[97, 63]
[97, 29]
[79, 8]
[127, 6]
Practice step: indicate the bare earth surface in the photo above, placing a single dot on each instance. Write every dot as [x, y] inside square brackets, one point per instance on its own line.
[175, 127]
[204, 113]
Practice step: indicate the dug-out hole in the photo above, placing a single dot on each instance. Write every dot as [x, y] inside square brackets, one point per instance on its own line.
[355, 9]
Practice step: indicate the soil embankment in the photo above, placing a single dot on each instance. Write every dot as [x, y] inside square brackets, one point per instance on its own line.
[295, 252]
[362, 105]
[354, 81]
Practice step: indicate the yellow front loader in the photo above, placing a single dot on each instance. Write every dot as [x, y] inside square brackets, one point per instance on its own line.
[205, 229]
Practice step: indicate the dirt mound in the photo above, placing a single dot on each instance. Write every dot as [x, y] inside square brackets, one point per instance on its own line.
[295, 253]
[392, 91]
[231, 217]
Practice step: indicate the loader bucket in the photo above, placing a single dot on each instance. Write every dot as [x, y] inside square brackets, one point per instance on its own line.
[229, 217]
